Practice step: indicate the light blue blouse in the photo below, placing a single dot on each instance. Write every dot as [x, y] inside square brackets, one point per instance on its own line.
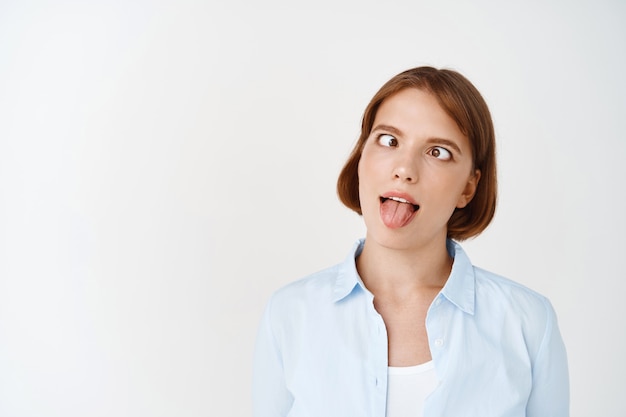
[322, 348]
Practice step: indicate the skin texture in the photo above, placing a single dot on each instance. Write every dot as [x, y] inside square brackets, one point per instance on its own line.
[416, 151]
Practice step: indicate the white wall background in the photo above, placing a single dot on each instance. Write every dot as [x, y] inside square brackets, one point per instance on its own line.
[166, 165]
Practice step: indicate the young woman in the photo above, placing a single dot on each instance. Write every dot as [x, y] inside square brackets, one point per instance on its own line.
[406, 325]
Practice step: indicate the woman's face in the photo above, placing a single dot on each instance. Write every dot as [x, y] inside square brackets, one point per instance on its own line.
[415, 169]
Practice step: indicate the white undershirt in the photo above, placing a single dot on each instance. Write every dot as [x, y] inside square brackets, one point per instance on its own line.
[408, 387]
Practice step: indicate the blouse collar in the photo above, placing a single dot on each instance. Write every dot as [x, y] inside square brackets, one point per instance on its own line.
[459, 288]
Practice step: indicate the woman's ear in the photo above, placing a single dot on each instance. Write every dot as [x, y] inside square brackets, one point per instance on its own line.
[470, 189]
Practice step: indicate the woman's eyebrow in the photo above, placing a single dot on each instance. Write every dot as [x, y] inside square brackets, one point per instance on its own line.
[388, 128]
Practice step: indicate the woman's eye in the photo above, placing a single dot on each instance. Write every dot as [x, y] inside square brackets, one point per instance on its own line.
[441, 153]
[387, 140]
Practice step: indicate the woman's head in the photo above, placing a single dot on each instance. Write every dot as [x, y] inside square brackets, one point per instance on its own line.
[464, 104]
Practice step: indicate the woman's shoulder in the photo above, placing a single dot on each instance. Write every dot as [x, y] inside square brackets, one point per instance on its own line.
[509, 304]
[498, 287]
[325, 286]
[504, 304]
[490, 290]
[312, 288]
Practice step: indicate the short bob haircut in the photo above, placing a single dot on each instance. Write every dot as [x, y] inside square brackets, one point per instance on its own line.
[464, 104]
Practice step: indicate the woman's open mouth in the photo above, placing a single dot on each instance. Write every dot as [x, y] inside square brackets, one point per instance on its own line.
[397, 212]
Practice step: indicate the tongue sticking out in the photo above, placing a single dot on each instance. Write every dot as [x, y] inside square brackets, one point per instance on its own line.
[396, 214]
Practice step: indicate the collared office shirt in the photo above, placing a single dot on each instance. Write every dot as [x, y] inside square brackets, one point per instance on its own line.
[322, 348]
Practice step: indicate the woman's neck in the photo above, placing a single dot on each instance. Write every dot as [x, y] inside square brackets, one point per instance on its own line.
[386, 270]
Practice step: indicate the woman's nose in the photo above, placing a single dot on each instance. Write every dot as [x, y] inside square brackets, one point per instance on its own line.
[406, 169]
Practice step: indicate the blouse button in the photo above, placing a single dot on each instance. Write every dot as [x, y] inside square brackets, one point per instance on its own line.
[439, 342]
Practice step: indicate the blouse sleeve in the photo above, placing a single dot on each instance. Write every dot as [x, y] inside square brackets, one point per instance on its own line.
[550, 379]
[270, 396]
